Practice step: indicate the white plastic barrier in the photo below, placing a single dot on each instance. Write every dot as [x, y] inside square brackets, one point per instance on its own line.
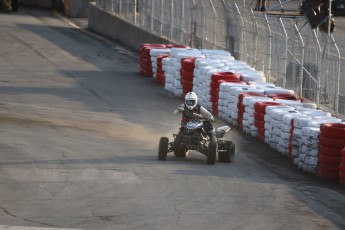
[311, 122]
[248, 116]
[293, 129]
[292, 103]
[261, 85]
[238, 66]
[270, 123]
[154, 53]
[233, 100]
[322, 120]
[173, 70]
[253, 76]
[278, 90]
[275, 116]
[313, 112]
[204, 68]
[225, 100]
[299, 124]
[287, 129]
[168, 73]
[210, 52]
[308, 153]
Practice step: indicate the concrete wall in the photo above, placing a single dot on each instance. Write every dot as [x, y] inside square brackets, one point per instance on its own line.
[76, 8]
[114, 27]
[39, 3]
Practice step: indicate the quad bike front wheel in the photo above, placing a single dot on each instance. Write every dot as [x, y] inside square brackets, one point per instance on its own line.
[163, 148]
[212, 153]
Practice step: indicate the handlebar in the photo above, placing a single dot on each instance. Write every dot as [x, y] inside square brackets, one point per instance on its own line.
[197, 115]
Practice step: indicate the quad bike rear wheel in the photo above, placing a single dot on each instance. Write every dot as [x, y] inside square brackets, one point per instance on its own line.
[230, 151]
[163, 148]
[212, 153]
[226, 151]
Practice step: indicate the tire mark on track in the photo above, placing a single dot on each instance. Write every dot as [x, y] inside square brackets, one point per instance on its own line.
[27, 220]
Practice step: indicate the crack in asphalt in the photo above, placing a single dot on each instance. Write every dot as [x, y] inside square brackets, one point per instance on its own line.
[27, 220]
[179, 213]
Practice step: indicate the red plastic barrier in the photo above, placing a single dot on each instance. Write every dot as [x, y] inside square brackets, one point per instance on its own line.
[160, 77]
[176, 46]
[225, 75]
[333, 130]
[216, 79]
[332, 143]
[188, 64]
[241, 107]
[259, 115]
[187, 74]
[284, 96]
[145, 58]
[342, 167]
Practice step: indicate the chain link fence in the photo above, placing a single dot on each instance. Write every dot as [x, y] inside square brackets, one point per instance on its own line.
[291, 54]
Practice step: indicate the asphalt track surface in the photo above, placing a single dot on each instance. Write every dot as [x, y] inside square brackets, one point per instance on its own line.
[79, 132]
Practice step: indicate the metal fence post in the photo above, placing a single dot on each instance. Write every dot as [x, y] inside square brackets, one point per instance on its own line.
[152, 14]
[285, 52]
[162, 16]
[135, 12]
[242, 33]
[203, 24]
[255, 37]
[300, 91]
[182, 20]
[318, 64]
[336, 108]
[193, 27]
[214, 25]
[172, 19]
[270, 50]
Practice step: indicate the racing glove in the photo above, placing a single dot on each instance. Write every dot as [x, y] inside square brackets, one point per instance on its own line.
[180, 109]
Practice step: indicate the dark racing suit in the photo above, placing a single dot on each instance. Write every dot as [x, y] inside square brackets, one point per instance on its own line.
[187, 115]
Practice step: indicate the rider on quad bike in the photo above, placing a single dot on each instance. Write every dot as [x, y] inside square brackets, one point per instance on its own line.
[197, 133]
[191, 108]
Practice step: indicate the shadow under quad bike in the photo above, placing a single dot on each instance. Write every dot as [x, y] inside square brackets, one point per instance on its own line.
[192, 136]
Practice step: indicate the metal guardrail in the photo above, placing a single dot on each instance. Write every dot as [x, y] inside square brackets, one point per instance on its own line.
[291, 54]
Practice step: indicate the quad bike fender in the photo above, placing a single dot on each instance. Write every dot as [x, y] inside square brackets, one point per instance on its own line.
[220, 131]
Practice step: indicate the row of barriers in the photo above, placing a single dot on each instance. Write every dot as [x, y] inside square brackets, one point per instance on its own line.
[286, 49]
[237, 93]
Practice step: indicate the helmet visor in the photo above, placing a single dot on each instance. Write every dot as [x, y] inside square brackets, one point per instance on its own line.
[190, 102]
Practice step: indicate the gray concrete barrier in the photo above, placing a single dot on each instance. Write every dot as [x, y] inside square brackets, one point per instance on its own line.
[39, 3]
[76, 8]
[114, 27]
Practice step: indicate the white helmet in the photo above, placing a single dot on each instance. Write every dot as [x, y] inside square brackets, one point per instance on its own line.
[191, 100]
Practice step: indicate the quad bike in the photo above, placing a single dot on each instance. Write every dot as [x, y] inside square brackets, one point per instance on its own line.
[192, 136]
